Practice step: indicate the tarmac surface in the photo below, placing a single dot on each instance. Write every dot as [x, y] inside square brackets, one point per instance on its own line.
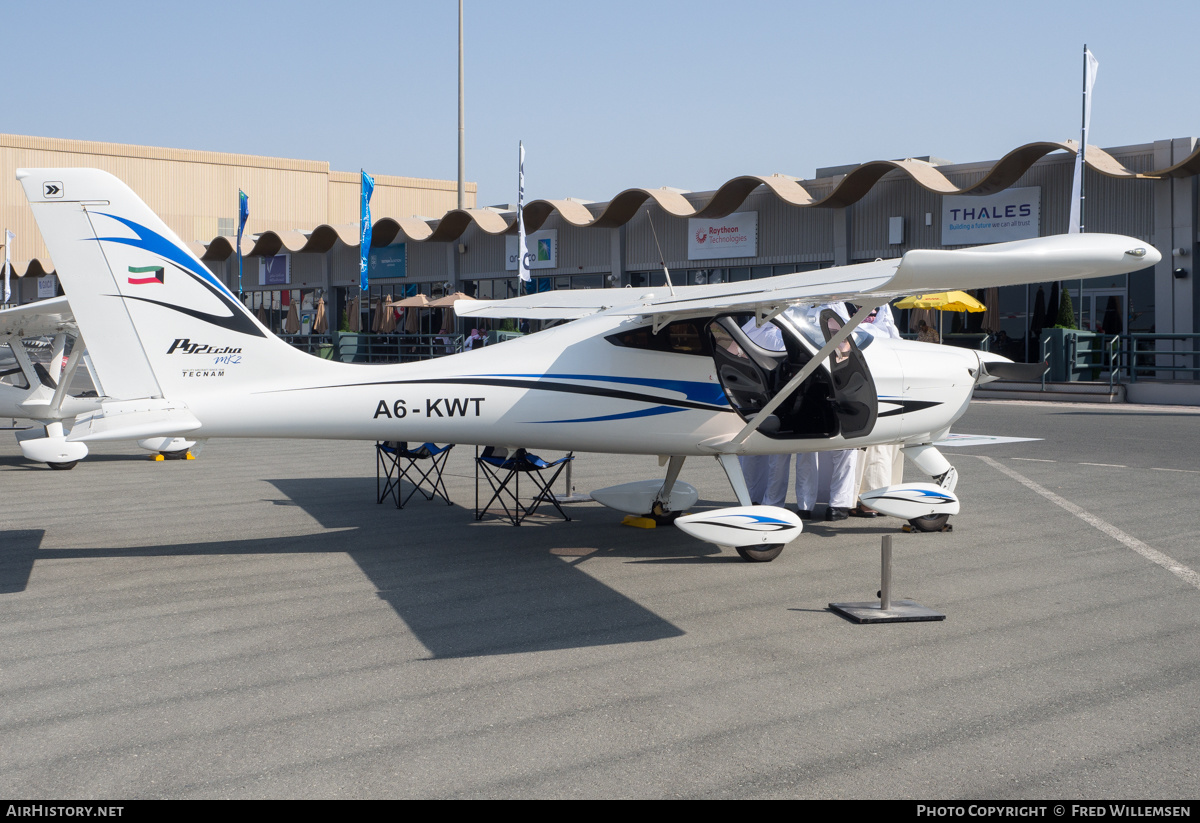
[252, 624]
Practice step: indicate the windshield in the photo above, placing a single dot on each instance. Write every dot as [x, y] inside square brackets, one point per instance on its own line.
[807, 326]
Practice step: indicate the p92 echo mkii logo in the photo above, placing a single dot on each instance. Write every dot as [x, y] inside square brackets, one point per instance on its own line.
[52, 189]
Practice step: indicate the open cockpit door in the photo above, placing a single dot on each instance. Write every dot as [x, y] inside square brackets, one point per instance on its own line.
[857, 401]
[755, 363]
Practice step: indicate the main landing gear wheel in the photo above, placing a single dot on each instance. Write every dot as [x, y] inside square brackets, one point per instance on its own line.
[63, 467]
[930, 522]
[181, 454]
[662, 517]
[760, 554]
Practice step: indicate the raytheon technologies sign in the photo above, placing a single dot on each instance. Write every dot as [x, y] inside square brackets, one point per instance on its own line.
[732, 236]
[1013, 214]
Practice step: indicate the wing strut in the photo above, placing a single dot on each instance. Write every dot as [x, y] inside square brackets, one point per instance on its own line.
[68, 374]
[22, 357]
[809, 367]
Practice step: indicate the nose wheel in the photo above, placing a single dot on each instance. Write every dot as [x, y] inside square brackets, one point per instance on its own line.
[930, 523]
[760, 554]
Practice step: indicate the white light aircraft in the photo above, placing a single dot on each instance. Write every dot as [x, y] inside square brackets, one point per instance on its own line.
[41, 392]
[658, 371]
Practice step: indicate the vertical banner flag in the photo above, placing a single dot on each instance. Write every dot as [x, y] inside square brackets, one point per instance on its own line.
[364, 229]
[522, 252]
[243, 215]
[8, 238]
[1090, 66]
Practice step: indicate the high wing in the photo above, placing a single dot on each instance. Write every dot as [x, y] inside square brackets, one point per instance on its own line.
[45, 317]
[1061, 257]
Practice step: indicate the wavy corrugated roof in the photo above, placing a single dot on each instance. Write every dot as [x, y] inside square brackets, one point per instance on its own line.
[851, 188]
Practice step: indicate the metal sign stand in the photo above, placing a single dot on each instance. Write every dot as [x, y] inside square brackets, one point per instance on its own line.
[572, 496]
[886, 610]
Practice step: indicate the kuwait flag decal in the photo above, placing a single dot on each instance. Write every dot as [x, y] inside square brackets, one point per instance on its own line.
[155, 275]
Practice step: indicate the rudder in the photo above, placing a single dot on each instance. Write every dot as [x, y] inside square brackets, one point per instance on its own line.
[156, 321]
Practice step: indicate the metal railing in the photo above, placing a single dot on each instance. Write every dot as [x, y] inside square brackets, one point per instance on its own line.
[1129, 357]
[1141, 355]
[1114, 361]
[1045, 359]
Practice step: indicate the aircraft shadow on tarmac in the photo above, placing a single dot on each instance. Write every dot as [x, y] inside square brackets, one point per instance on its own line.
[464, 588]
[18, 461]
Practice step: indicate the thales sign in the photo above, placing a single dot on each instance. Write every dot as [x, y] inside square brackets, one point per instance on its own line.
[1013, 214]
[732, 236]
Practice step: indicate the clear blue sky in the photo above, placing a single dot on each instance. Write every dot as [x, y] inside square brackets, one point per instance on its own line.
[606, 95]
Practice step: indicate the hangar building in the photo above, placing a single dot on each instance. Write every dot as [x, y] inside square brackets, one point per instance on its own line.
[304, 222]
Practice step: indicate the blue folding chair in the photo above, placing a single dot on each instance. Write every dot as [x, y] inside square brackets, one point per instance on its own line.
[503, 473]
[395, 461]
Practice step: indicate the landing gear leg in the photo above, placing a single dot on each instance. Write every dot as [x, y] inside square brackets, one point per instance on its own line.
[661, 510]
[931, 461]
[733, 470]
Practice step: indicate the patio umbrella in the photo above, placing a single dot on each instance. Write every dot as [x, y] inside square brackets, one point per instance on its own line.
[352, 312]
[412, 318]
[991, 317]
[320, 322]
[379, 312]
[1038, 321]
[388, 324]
[942, 302]
[449, 300]
[292, 324]
[417, 301]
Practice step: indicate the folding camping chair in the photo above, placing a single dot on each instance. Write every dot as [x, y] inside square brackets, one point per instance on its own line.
[394, 461]
[503, 472]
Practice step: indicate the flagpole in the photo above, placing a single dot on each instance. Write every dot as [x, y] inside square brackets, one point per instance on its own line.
[243, 215]
[1090, 67]
[462, 155]
[1083, 124]
[366, 188]
[522, 254]
[8, 238]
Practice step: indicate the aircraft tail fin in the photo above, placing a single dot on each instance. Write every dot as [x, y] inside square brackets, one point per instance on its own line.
[156, 321]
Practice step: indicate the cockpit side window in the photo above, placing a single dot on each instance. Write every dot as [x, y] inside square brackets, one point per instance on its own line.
[680, 337]
[815, 334]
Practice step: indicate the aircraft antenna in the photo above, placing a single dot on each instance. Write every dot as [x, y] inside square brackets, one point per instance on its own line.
[661, 261]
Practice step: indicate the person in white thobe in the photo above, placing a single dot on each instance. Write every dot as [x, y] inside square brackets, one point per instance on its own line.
[843, 493]
[766, 474]
[878, 464]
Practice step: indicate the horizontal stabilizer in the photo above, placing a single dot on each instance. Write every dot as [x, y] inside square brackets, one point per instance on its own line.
[45, 317]
[134, 420]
